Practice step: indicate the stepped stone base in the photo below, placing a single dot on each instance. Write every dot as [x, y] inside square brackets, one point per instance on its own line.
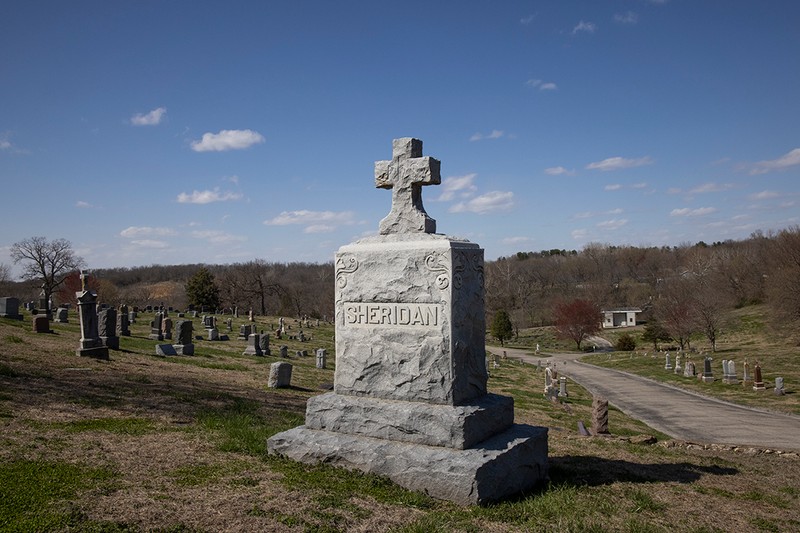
[99, 352]
[435, 425]
[505, 464]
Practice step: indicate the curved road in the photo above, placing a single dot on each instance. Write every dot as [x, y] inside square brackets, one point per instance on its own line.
[676, 412]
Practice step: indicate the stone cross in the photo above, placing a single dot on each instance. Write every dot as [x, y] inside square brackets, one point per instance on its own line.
[405, 174]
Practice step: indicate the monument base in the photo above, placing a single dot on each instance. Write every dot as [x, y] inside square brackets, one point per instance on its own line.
[98, 352]
[707, 379]
[501, 466]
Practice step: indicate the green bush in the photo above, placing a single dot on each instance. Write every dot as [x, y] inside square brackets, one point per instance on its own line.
[626, 343]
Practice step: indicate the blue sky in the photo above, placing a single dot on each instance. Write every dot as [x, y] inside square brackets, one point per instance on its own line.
[216, 132]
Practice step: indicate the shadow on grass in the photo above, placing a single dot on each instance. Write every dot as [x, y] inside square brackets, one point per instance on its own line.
[584, 470]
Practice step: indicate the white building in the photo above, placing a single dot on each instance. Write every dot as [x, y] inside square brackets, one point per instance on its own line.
[623, 317]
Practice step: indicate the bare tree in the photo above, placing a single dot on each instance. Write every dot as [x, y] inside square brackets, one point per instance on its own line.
[47, 261]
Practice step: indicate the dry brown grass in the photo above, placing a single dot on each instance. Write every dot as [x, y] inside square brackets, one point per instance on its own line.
[169, 471]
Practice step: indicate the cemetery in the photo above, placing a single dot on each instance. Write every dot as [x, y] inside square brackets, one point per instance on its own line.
[390, 416]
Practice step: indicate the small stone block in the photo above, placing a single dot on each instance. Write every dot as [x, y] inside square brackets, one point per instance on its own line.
[280, 375]
[165, 349]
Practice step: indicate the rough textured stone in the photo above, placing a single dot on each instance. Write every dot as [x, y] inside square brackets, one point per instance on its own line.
[508, 463]
[409, 316]
[434, 425]
[280, 375]
[599, 416]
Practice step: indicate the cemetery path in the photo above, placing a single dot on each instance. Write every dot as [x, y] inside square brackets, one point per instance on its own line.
[681, 414]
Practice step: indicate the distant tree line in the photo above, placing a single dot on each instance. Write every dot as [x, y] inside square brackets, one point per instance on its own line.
[686, 290]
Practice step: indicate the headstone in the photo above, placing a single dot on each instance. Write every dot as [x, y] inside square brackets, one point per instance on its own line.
[213, 334]
[779, 390]
[410, 400]
[758, 382]
[264, 342]
[41, 324]
[599, 416]
[253, 345]
[230, 324]
[90, 343]
[689, 370]
[123, 322]
[678, 363]
[9, 308]
[550, 383]
[562, 389]
[166, 326]
[746, 379]
[62, 315]
[667, 364]
[280, 375]
[132, 317]
[284, 351]
[155, 328]
[107, 328]
[244, 332]
[322, 356]
[708, 375]
[730, 373]
[184, 346]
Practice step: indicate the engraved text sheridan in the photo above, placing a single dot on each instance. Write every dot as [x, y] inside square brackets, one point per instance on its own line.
[390, 314]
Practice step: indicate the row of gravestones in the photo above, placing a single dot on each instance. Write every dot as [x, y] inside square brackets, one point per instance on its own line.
[729, 376]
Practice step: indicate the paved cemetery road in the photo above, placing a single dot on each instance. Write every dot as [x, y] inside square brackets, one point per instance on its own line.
[678, 413]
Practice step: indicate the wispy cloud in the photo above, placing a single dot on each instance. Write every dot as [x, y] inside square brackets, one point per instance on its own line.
[590, 214]
[579, 234]
[227, 140]
[453, 186]
[315, 221]
[147, 231]
[559, 171]
[495, 134]
[492, 201]
[207, 197]
[542, 85]
[790, 159]
[150, 243]
[641, 185]
[83, 205]
[612, 224]
[7, 146]
[619, 163]
[612, 187]
[153, 118]
[233, 179]
[628, 17]
[711, 187]
[583, 26]
[699, 212]
[764, 195]
[527, 20]
[217, 237]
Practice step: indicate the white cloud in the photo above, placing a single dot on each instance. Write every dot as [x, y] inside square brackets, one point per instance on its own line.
[626, 18]
[582, 26]
[233, 179]
[5, 144]
[457, 185]
[711, 187]
[486, 203]
[558, 171]
[641, 185]
[217, 237]
[312, 218]
[207, 197]
[149, 243]
[495, 134]
[146, 231]
[83, 205]
[686, 212]
[227, 140]
[319, 228]
[787, 160]
[579, 234]
[527, 20]
[612, 187]
[541, 85]
[153, 118]
[618, 163]
[516, 240]
[612, 224]
[764, 195]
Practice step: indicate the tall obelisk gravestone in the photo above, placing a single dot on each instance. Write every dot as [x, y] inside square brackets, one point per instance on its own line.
[410, 399]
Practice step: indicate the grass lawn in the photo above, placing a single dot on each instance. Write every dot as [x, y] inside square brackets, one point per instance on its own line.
[147, 443]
